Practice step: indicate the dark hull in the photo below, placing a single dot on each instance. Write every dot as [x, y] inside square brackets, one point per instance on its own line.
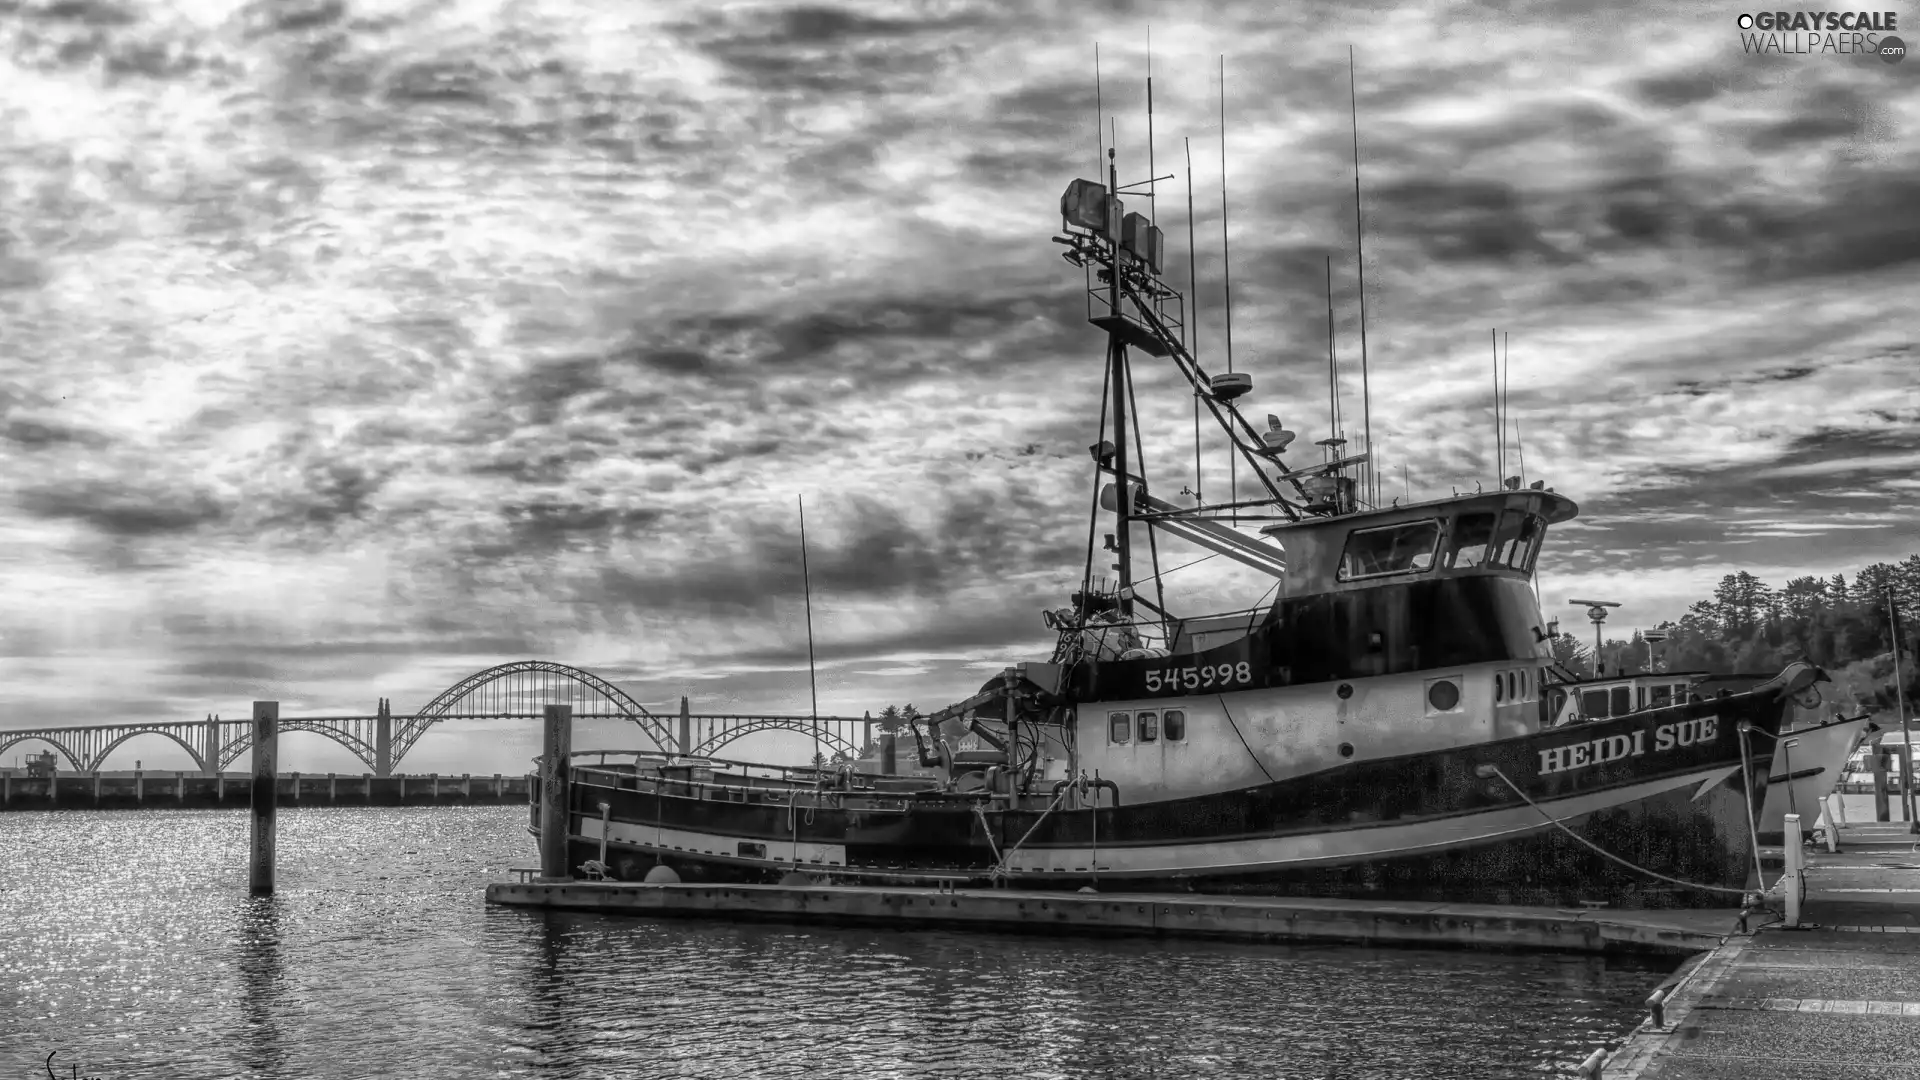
[1440, 826]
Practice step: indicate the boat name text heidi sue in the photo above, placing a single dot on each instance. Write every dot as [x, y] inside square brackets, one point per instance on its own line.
[1614, 747]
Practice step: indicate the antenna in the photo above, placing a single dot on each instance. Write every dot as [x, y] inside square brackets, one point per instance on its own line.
[806, 578]
[1500, 447]
[1360, 258]
[1226, 270]
[1153, 207]
[1506, 394]
[1099, 114]
[1193, 286]
[1519, 445]
[1333, 370]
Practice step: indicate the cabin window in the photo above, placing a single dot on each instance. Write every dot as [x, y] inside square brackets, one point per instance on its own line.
[1662, 696]
[1174, 724]
[1527, 544]
[1640, 697]
[1513, 685]
[1149, 725]
[1119, 727]
[1506, 543]
[1390, 549]
[1622, 701]
[1471, 535]
[1499, 685]
[1594, 704]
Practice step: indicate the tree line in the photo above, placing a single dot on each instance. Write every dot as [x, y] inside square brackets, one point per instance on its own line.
[1749, 626]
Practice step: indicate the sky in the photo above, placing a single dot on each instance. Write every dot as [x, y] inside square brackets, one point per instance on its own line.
[349, 348]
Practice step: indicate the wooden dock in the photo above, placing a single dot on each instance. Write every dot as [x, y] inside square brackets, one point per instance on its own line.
[1838, 997]
[1366, 922]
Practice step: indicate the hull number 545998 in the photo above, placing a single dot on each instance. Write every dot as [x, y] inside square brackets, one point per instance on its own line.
[1204, 677]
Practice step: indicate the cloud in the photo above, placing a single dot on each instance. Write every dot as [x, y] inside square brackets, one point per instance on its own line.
[345, 351]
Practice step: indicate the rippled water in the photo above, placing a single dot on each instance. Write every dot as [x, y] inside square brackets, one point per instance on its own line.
[132, 948]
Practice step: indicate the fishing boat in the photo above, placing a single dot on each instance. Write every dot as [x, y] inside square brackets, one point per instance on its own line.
[1372, 725]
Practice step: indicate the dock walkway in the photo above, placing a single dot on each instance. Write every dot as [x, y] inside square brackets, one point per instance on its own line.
[1838, 998]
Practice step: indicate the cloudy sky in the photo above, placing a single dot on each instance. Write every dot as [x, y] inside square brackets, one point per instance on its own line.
[351, 346]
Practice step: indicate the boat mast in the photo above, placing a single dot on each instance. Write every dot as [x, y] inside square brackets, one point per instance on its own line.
[1117, 375]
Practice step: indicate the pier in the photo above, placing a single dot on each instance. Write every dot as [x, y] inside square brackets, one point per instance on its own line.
[1839, 996]
[151, 790]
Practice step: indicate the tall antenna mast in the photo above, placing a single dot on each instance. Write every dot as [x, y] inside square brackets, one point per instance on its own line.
[1333, 369]
[1099, 115]
[1519, 444]
[1500, 444]
[1506, 395]
[1360, 252]
[1226, 270]
[1193, 289]
[806, 578]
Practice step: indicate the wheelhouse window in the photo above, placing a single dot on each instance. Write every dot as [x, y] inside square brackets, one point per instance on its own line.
[1471, 535]
[1174, 725]
[1622, 701]
[1525, 547]
[1662, 696]
[1119, 727]
[1507, 541]
[1148, 725]
[1390, 549]
[1594, 704]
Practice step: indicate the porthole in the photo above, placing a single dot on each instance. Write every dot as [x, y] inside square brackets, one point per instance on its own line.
[1346, 749]
[1345, 691]
[1443, 695]
[1499, 689]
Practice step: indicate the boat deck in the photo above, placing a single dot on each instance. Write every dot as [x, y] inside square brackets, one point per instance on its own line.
[1840, 997]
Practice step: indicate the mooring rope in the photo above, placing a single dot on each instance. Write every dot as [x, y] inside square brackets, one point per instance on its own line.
[1495, 770]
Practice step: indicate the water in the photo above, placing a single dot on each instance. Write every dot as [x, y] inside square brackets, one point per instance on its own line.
[132, 948]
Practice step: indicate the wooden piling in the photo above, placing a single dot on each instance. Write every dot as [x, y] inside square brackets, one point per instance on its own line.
[556, 747]
[1881, 812]
[266, 745]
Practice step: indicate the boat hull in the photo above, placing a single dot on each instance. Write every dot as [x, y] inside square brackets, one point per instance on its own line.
[1550, 818]
[1807, 769]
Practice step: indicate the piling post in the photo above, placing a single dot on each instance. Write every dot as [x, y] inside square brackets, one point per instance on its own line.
[686, 727]
[139, 786]
[1796, 860]
[96, 788]
[266, 746]
[6, 786]
[1880, 809]
[889, 754]
[556, 748]
[179, 787]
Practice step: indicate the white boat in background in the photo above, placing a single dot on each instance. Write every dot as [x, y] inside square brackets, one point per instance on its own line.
[1807, 767]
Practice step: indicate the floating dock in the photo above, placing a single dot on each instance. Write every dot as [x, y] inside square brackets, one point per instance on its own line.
[1839, 996]
[1295, 919]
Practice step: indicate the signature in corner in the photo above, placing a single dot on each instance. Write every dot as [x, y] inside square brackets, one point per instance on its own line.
[51, 1075]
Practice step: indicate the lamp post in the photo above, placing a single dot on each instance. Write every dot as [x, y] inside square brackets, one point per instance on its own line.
[1900, 702]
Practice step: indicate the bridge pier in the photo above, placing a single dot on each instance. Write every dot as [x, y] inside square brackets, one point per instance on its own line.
[179, 787]
[211, 747]
[96, 787]
[383, 739]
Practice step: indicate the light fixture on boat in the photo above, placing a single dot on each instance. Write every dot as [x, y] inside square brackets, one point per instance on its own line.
[1513, 483]
[1537, 485]
[1143, 240]
[1102, 452]
[1087, 205]
[1231, 384]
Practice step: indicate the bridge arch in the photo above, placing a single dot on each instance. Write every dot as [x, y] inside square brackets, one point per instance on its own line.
[521, 687]
[100, 757]
[831, 740]
[241, 739]
[14, 738]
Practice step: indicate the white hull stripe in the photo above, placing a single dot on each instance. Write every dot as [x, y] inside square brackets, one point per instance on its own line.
[1350, 845]
[776, 852]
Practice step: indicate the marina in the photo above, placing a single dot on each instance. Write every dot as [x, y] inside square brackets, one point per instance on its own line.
[588, 434]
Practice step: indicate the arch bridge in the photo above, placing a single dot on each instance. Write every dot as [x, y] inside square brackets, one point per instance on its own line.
[515, 691]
